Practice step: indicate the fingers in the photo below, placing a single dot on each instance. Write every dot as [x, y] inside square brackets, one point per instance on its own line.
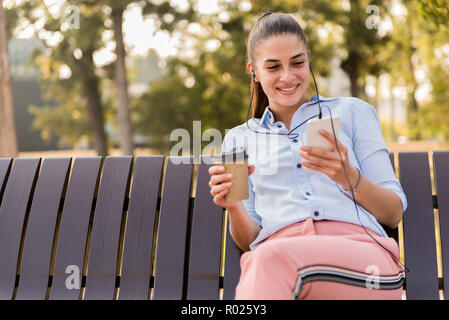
[332, 139]
[315, 167]
[220, 190]
[216, 169]
[218, 175]
[317, 153]
[219, 183]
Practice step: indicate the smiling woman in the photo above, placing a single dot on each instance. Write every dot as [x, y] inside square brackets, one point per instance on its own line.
[284, 77]
[301, 214]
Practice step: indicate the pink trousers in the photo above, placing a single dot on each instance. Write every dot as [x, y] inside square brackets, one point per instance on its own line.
[321, 260]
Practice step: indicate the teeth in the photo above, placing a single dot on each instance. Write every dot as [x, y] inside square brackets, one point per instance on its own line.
[288, 89]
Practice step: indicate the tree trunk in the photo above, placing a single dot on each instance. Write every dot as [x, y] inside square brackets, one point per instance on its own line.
[351, 67]
[378, 96]
[352, 63]
[8, 137]
[412, 105]
[121, 86]
[91, 90]
[95, 115]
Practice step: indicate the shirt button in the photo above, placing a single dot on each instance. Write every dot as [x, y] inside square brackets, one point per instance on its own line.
[316, 213]
[279, 125]
[295, 140]
[299, 165]
[307, 193]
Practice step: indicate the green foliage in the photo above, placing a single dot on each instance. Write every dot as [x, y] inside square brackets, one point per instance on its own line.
[213, 86]
[65, 69]
[208, 80]
[435, 11]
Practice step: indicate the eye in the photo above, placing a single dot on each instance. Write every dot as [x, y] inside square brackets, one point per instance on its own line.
[272, 67]
[298, 63]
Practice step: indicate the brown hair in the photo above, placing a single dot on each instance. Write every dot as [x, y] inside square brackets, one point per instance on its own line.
[268, 24]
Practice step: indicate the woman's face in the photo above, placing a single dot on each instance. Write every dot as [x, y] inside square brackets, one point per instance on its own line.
[282, 68]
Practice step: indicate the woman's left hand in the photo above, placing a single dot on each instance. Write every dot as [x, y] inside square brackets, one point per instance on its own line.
[329, 162]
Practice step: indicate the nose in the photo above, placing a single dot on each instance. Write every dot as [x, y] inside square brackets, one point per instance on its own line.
[287, 75]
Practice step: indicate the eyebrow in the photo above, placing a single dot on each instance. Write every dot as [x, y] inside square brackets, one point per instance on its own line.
[294, 57]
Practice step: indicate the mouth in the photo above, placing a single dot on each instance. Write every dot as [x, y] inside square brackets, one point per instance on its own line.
[288, 90]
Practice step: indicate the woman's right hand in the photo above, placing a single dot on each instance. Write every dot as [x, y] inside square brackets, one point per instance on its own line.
[219, 184]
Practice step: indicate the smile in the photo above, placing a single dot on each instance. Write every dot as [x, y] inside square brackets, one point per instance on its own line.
[288, 91]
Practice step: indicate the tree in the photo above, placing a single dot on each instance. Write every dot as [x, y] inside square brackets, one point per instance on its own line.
[69, 76]
[431, 118]
[436, 11]
[212, 84]
[8, 137]
[118, 8]
[120, 79]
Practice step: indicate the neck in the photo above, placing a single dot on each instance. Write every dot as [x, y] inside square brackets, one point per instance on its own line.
[285, 114]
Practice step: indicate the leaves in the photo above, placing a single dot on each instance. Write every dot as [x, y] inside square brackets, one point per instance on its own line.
[208, 80]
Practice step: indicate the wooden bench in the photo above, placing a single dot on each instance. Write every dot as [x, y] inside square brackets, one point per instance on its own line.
[146, 227]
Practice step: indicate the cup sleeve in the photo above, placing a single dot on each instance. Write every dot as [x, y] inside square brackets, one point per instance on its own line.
[233, 139]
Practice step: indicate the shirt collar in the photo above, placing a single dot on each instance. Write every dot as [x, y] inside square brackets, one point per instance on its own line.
[268, 115]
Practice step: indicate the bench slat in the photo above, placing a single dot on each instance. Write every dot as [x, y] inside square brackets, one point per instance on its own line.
[419, 229]
[204, 274]
[393, 233]
[172, 229]
[232, 266]
[12, 216]
[104, 245]
[441, 174]
[71, 245]
[138, 246]
[5, 165]
[37, 250]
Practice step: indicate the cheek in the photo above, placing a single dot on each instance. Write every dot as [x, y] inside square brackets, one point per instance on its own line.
[305, 73]
[267, 83]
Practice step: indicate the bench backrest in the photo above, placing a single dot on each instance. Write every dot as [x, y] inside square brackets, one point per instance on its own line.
[135, 228]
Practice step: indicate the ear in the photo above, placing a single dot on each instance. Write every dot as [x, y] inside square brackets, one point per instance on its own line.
[251, 70]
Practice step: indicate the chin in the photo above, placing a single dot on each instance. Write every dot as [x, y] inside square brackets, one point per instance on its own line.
[291, 102]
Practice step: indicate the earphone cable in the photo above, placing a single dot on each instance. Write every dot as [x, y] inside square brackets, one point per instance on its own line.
[253, 82]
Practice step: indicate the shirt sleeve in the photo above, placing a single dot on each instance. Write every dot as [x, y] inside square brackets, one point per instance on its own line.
[371, 150]
[231, 141]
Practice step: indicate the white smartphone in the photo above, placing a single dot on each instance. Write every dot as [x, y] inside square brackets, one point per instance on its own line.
[314, 139]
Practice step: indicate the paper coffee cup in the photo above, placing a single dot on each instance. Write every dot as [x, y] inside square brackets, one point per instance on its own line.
[235, 162]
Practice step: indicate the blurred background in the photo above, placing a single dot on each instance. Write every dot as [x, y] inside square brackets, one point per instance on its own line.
[117, 77]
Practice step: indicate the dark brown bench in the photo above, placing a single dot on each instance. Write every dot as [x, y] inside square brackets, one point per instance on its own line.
[146, 227]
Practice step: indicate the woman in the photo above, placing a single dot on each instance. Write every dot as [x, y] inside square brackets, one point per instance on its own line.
[303, 235]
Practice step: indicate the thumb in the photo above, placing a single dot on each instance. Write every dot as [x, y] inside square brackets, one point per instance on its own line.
[251, 170]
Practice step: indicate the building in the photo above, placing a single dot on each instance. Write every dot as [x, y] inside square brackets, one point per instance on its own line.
[26, 92]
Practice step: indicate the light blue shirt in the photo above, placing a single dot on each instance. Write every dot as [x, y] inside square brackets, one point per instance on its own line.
[282, 192]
